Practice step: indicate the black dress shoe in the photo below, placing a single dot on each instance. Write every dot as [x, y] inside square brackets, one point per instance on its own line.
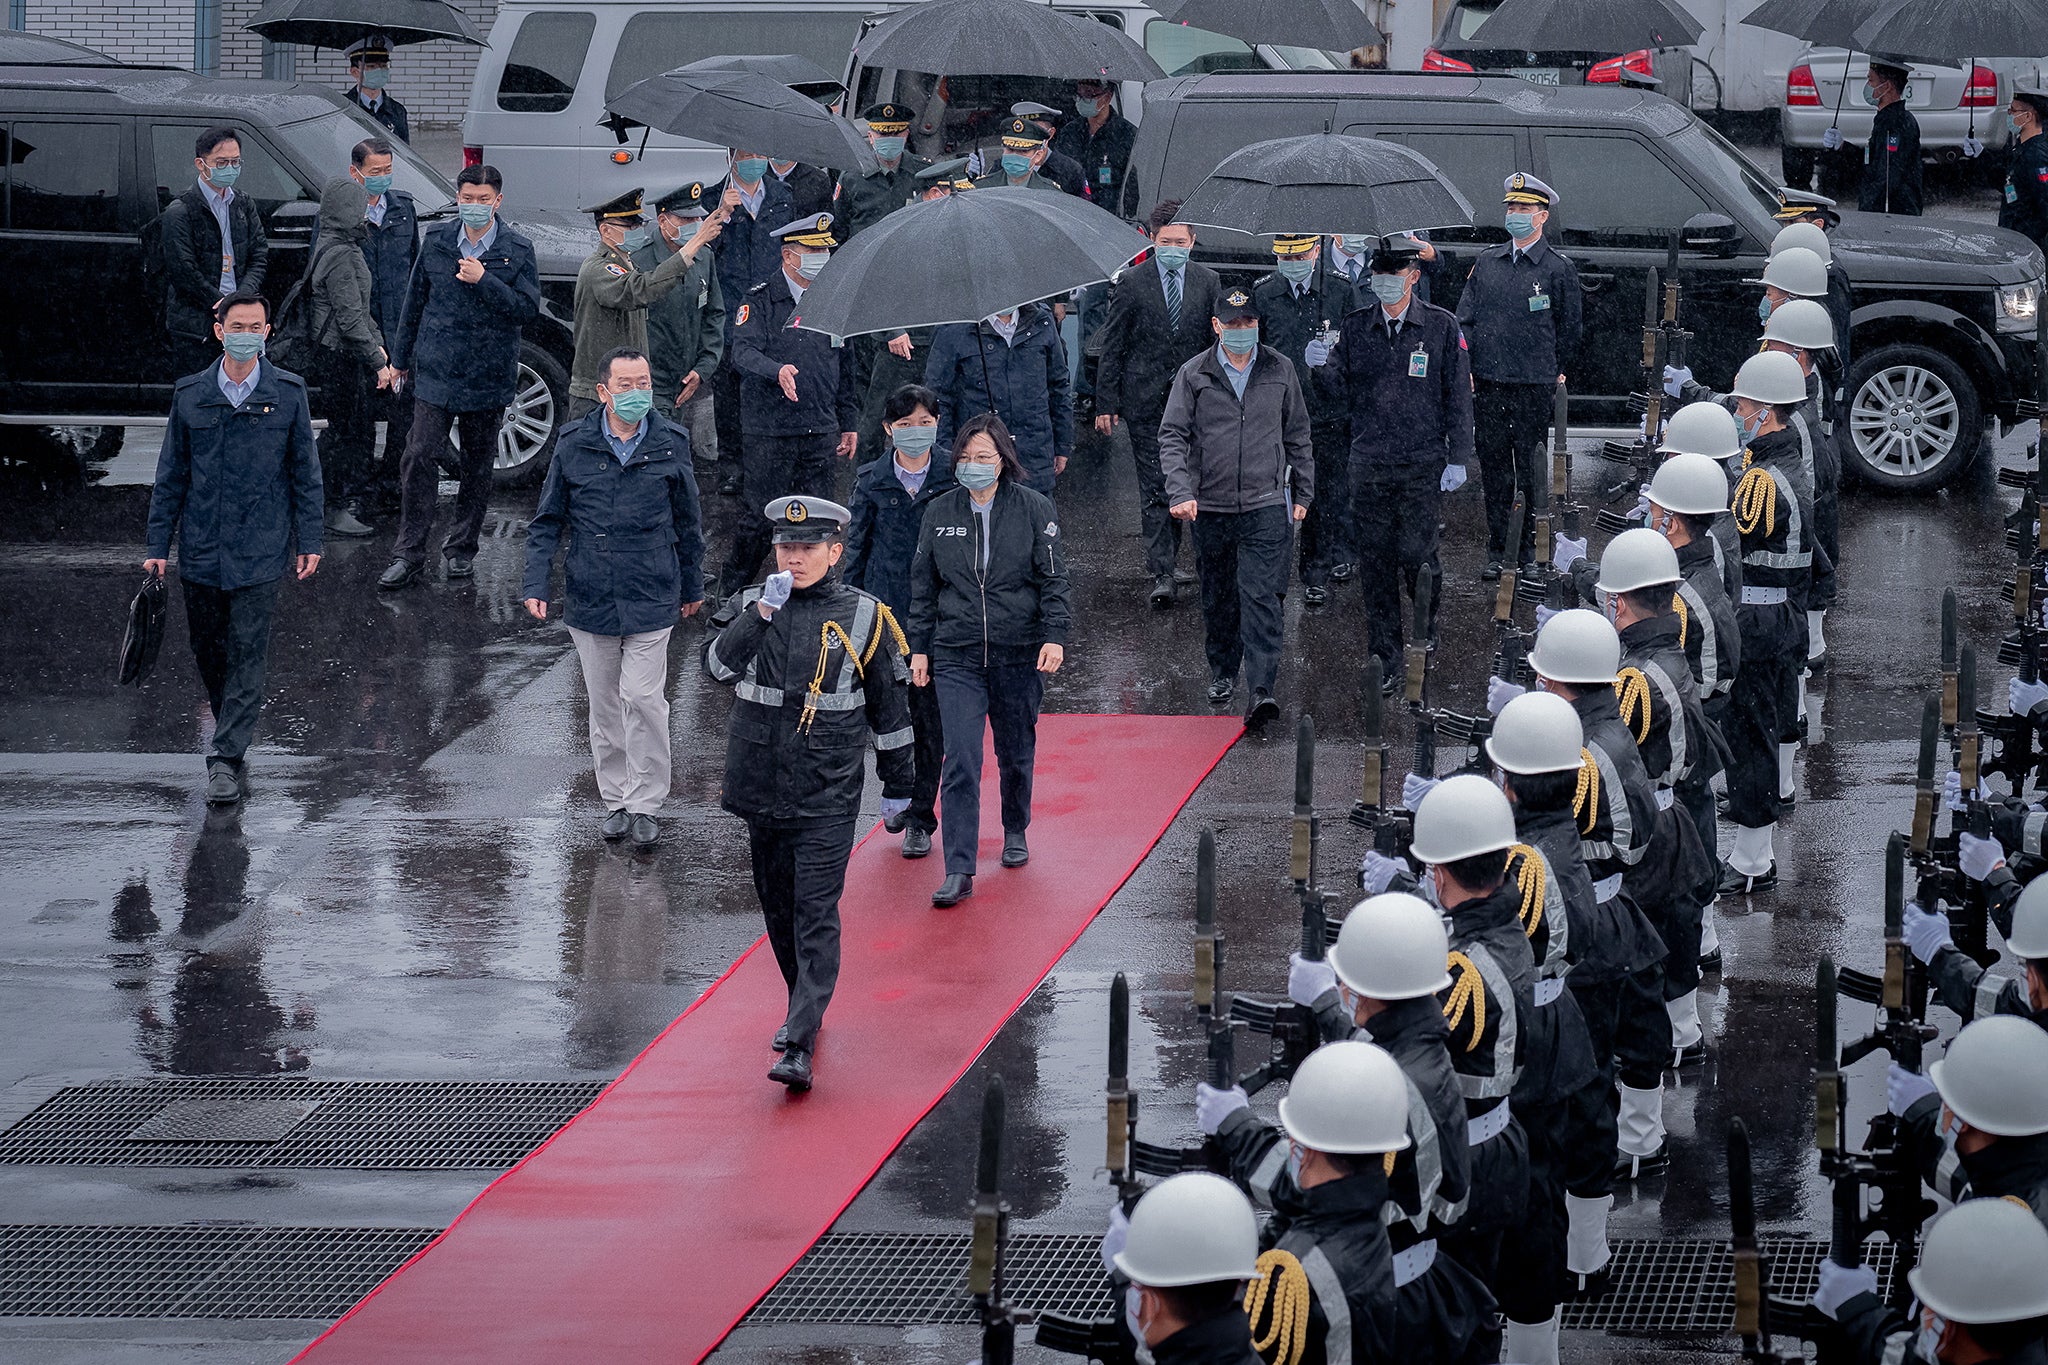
[400, 573]
[1220, 690]
[781, 1040]
[646, 832]
[1491, 572]
[1015, 854]
[1185, 578]
[730, 485]
[1341, 573]
[1315, 595]
[1711, 962]
[223, 788]
[461, 566]
[1691, 1054]
[957, 887]
[894, 823]
[1735, 883]
[1591, 1286]
[794, 1071]
[1263, 709]
[1162, 593]
[1628, 1167]
[615, 826]
[917, 842]
[1787, 804]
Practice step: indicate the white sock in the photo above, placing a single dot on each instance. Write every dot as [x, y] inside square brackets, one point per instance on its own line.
[1752, 855]
[1641, 1121]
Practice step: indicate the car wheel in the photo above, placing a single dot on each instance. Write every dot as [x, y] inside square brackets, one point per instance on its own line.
[539, 404]
[1915, 421]
[1798, 167]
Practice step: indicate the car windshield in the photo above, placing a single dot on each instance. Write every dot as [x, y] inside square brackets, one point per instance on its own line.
[324, 143]
[1750, 195]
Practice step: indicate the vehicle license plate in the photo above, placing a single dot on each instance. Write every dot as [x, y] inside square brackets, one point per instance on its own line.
[1539, 75]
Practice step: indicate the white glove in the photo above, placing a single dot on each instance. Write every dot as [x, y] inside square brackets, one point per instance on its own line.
[1564, 551]
[893, 806]
[1113, 1240]
[1978, 857]
[1543, 615]
[1316, 353]
[974, 168]
[1925, 934]
[1454, 478]
[1832, 139]
[1378, 871]
[1212, 1106]
[775, 591]
[1972, 148]
[1838, 1285]
[1641, 515]
[1952, 790]
[1414, 788]
[1499, 692]
[1903, 1089]
[2023, 697]
[1308, 982]
[1676, 377]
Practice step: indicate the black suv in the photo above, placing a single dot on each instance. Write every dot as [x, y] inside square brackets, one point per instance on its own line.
[1944, 310]
[95, 151]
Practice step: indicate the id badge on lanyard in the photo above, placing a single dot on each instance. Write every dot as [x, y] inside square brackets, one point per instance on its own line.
[1418, 364]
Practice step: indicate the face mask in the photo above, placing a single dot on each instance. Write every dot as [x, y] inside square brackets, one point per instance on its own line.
[977, 476]
[914, 441]
[809, 263]
[1357, 243]
[2012, 125]
[223, 176]
[475, 217]
[1016, 165]
[1294, 1164]
[1240, 340]
[1927, 1342]
[1763, 309]
[1295, 269]
[1389, 289]
[242, 345]
[1752, 427]
[376, 78]
[1520, 225]
[889, 148]
[1869, 97]
[632, 405]
[377, 185]
[1088, 107]
[636, 237]
[749, 169]
[1172, 257]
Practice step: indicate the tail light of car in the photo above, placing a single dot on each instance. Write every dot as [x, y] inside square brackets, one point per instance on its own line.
[1982, 91]
[472, 156]
[1641, 62]
[1800, 89]
[1433, 60]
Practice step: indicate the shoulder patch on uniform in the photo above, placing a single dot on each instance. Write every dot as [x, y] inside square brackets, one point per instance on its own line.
[741, 320]
[1052, 528]
[614, 268]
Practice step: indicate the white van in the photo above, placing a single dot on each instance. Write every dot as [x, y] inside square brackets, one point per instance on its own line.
[541, 86]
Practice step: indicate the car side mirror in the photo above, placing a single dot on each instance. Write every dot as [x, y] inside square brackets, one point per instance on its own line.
[1710, 234]
[294, 219]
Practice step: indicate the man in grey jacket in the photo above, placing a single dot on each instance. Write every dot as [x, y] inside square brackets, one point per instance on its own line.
[348, 361]
[1236, 431]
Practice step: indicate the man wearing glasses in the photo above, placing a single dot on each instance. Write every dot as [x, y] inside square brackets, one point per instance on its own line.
[213, 246]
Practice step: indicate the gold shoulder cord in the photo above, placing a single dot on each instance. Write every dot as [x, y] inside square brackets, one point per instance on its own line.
[1466, 989]
[1530, 879]
[1632, 690]
[886, 618]
[1756, 503]
[1684, 617]
[1586, 799]
[1282, 1292]
[826, 634]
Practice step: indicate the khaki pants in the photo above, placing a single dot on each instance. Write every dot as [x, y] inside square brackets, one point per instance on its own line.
[627, 679]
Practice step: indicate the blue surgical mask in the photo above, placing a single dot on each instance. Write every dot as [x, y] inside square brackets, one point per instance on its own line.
[914, 441]
[1241, 340]
[242, 345]
[376, 78]
[1520, 225]
[1927, 1341]
[1357, 243]
[475, 217]
[1752, 426]
[1016, 165]
[1172, 257]
[1088, 106]
[977, 476]
[889, 148]
[749, 169]
[632, 405]
[636, 237]
[1389, 289]
[222, 177]
[1869, 93]
[1295, 269]
[377, 185]
[809, 263]
[1763, 309]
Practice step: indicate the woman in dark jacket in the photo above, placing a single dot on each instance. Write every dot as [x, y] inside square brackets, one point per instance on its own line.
[988, 620]
[348, 358]
[890, 495]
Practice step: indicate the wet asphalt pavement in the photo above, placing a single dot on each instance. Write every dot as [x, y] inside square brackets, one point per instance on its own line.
[416, 889]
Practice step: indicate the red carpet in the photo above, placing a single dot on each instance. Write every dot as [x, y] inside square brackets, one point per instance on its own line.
[647, 1228]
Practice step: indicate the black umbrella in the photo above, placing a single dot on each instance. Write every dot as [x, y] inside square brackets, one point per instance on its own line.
[338, 23]
[1326, 183]
[1337, 25]
[963, 258]
[1957, 30]
[1003, 38]
[1825, 23]
[800, 74]
[1586, 26]
[743, 109]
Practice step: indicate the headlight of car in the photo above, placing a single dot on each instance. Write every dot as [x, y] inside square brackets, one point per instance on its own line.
[2018, 306]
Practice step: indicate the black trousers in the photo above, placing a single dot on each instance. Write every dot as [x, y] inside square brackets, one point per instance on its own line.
[1161, 532]
[1328, 536]
[1242, 559]
[382, 483]
[1631, 1037]
[772, 467]
[799, 873]
[230, 631]
[421, 478]
[1510, 423]
[1398, 514]
[725, 411]
[928, 752]
[350, 439]
[1753, 724]
[1535, 1242]
[1498, 1197]
[1001, 698]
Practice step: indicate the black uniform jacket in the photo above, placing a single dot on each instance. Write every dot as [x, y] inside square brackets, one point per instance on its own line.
[1707, 630]
[1523, 314]
[1409, 394]
[2026, 191]
[763, 342]
[1557, 1053]
[1289, 320]
[1891, 164]
[881, 540]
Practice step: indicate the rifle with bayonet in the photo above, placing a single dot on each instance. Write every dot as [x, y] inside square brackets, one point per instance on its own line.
[1392, 827]
[1560, 592]
[1665, 343]
[1754, 1306]
[1433, 724]
[1291, 1027]
[986, 1278]
[1212, 1009]
[2014, 734]
[1511, 644]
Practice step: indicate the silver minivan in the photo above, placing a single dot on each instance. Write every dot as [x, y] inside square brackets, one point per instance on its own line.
[541, 86]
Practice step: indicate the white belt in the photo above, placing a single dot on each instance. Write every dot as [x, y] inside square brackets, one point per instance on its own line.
[1763, 597]
[1665, 797]
[1412, 1264]
[1607, 888]
[1548, 989]
[1488, 1125]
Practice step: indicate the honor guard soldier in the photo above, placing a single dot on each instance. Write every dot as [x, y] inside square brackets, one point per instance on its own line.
[1891, 163]
[686, 326]
[1186, 1251]
[1963, 983]
[1977, 1122]
[1402, 368]
[1689, 490]
[369, 71]
[797, 401]
[1297, 304]
[817, 670]
[865, 200]
[1522, 312]
[1059, 168]
[2025, 209]
[1024, 150]
[612, 293]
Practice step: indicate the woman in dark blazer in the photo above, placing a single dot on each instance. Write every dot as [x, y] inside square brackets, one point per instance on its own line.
[988, 622]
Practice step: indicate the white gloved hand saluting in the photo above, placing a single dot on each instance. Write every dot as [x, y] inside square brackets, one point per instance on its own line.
[2023, 697]
[1903, 1089]
[1838, 1285]
[1316, 353]
[775, 592]
[1676, 377]
[1832, 139]
[1414, 787]
[1377, 872]
[1925, 934]
[1564, 551]
[1978, 857]
[1454, 478]
[1499, 692]
[1212, 1106]
[1308, 982]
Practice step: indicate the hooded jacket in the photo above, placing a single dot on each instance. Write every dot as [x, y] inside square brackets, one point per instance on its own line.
[343, 293]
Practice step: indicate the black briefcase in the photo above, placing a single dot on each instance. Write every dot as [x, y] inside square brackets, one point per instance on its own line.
[145, 635]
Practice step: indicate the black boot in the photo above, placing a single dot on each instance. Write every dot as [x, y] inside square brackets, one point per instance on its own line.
[957, 887]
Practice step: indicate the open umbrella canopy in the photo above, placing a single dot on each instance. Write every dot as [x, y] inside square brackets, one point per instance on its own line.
[963, 258]
[1586, 26]
[1957, 30]
[743, 109]
[800, 74]
[1003, 38]
[338, 23]
[1825, 23]
[1326, 183]
[1337, 25]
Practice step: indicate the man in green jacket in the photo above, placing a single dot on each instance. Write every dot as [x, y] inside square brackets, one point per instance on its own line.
[686, 326]
[612, 295]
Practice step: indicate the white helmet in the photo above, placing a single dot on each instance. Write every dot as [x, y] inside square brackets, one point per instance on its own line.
[1348, 1098]
[1537, 732]
[1771, 377]
[1995, 1076]
[1810, 236]
[1797, 271]
[1703, 429]
[1692, 484]
[1462, 817]
[1577, 646]
[1393, 947]
[2029, 937]
[1191, 1229]
[1802, 323]
[1638, 558]
[1985, 1260]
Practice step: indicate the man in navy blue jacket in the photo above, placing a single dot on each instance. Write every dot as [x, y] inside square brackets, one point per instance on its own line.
[620, 483]
[474, 287]
[1015, 365]
[238, 484]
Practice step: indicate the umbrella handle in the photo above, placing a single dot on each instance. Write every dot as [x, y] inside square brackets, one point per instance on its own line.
[1842, 90]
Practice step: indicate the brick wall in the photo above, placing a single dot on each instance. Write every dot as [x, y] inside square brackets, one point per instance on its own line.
[431, 80]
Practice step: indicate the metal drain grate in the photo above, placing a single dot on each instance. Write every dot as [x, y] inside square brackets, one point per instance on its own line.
[279, 1121]
[1660, 1288]
[54, 1270]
